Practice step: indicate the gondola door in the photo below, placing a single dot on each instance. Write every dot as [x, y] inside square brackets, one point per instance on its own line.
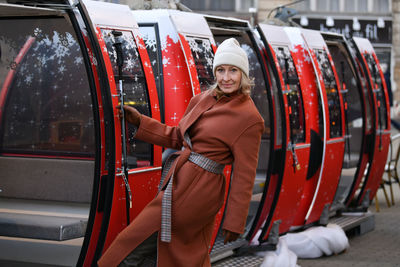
[131, 82]
[354, 89]
[52, 150]
[311, 82]
[380, 137]
[187, 51]
[222, 29]
[138, 163]
[198, 45]
[333, 142]
[295, 141]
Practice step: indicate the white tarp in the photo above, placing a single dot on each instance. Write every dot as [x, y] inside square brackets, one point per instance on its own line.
[317, 241]
[311, 243]
[281, 257]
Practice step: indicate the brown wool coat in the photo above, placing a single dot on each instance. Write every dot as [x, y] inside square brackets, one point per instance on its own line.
[226, 131]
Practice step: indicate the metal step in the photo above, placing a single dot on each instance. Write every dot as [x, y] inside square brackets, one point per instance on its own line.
[243, 261]
[357, 223]
[222, 251]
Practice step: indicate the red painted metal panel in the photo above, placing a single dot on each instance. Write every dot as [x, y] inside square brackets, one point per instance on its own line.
[143, 181]
[177, 83]
[327, 178]
[98, 217]
[311, 96]
[381, 133]
[294, 177]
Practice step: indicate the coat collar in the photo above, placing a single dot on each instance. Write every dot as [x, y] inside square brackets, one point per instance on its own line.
[208, 101]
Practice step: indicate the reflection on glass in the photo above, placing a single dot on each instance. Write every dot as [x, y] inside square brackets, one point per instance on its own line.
[332, 93]
[379, 91]
[293, 94]
[203, 59]
[135, 89]
[366, 95]
[47, 103]
[148, 33]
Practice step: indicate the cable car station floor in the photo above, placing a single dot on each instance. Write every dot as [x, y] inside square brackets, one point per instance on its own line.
[374, 241]
[379, 247]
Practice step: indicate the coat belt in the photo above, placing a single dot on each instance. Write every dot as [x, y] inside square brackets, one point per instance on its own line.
[175, 161]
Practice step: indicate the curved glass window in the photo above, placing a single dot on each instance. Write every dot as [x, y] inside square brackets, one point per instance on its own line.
[135, 90]
[332, 93]
[378, 90]
[293, 94]
[203, 58]
[46, 102]
[149, 34]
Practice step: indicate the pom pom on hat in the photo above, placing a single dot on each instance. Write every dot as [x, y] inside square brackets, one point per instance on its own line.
[229, 52]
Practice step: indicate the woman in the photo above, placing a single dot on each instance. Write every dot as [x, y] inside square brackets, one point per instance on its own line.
[220, 126]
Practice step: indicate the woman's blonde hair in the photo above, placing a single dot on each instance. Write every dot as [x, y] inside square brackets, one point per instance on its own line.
[246, 84]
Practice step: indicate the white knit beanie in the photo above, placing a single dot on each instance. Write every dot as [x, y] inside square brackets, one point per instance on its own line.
[229, 52]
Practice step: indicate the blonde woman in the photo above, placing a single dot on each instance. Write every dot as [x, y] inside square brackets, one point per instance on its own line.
[221, 126]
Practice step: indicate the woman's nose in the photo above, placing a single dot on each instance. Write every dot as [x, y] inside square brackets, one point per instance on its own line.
[226, 76]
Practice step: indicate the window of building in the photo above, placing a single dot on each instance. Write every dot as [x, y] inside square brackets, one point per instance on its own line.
[382, 6]
[346, 6]
[196, 5]
[221, 5]
[350, 5]
[245, 5]
[334, 5]
[362, 6]
[322, 5]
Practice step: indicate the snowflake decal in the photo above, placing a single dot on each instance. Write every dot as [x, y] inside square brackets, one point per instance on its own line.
[78, 60]
[193, 45]
[166, 61]
[37, 32]
[151, 44]
[13, 65]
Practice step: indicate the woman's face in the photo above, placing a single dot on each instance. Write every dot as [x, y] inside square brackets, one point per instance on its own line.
[228, 78]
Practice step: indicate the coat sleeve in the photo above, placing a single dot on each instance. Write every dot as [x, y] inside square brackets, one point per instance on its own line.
[245, 152]
[155, 132]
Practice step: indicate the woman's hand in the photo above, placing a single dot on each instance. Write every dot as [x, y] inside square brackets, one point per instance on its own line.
[229, 236]
[131, 115]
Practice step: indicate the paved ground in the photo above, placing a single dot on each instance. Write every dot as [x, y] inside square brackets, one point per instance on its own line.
[378, 248]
